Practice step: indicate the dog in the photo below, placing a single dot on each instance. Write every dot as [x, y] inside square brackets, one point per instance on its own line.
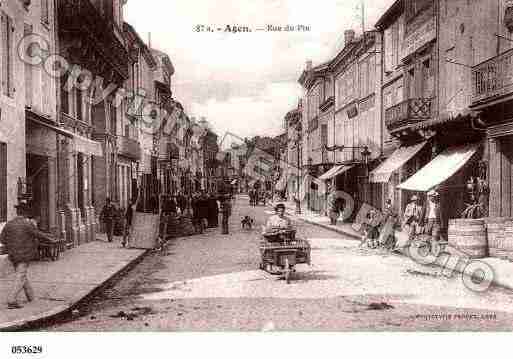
[247, 222]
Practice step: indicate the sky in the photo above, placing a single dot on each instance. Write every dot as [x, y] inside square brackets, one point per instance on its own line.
[245, 83]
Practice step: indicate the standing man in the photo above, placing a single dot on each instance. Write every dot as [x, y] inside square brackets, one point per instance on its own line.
[196, 215]
[21, 239]
[129, 215]
[433, 219]
[181, 202]
[332, 204]
[107, 215]
[226, 210]
[412, 217]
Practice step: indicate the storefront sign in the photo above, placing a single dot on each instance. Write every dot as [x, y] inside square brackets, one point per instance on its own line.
[87, 146]
[414, 41]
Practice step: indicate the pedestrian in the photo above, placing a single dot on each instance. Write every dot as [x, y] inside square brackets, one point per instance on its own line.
[21, 239]
[226, 211]
[181, 201]
[107, 215]
[196, 216]
[432, 215]
[203, 208]
[412, 217]
[129, 215]
[213, 212]
[333, 207]
[251, 197]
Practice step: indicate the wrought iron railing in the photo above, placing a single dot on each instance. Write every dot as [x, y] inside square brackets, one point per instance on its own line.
[408, 112]
[493, 78]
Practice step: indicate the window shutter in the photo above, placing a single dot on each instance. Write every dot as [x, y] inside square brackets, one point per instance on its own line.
[388, 49]
[5, 61]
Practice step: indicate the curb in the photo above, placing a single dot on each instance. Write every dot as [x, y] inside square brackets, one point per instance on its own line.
[63, 311]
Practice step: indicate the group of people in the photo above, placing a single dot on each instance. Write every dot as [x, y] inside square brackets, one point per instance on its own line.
[417, 219]
[205, 211]
[256, 196]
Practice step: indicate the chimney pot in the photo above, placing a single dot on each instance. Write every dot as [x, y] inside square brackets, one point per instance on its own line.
[349, 36]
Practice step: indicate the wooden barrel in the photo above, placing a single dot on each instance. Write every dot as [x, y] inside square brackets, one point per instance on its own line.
[469, 236]
[495, 233]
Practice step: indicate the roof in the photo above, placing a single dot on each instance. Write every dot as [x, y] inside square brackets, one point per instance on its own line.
[166, 61]
[130, 31]
[392, 13]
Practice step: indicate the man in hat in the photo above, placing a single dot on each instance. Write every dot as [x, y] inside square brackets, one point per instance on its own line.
[226, 211]
[107, 215]
[412, 216]
[432, 214]
[21, 239]
[278, 221]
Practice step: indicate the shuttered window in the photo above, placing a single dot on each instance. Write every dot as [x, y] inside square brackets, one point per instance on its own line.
[7, 32]
[45, 11]
[3, 182]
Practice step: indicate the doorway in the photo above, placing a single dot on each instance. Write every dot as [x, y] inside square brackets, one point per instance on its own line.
[37, 177]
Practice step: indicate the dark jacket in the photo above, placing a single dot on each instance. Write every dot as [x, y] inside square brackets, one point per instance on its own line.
[226, 207]
[203, 207]
[169, 206]
[181, 201]
[21, 239]
[108, 213]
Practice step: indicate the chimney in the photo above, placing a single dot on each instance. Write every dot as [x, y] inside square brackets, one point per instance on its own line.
[348, 37]
[309, 65]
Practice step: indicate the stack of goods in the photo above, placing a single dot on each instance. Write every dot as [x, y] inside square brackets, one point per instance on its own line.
[186, 227]
[173, 226]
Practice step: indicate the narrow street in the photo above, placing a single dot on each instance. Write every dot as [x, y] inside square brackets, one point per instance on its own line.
[211, 282]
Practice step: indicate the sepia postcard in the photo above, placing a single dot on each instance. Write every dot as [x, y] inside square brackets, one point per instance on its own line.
[254, 166]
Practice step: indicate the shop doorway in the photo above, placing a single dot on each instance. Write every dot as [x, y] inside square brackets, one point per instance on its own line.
[37, 176]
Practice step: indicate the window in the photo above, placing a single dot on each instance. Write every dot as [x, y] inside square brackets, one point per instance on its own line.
[113, 119]
[64, 95]
[79, 98]
[427, 79]
[3, 182]
[44, 12]
[7, 30]
[367, 77]
[392, 47]
[413, 7]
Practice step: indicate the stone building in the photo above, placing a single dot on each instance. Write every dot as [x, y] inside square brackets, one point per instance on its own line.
[90, 38]
[29, 129]
[294, 152]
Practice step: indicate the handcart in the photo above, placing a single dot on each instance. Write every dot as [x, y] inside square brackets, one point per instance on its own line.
[281, 251]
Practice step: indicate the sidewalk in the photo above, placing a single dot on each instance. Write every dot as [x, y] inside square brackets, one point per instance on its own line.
[61, 285]
[503, 269]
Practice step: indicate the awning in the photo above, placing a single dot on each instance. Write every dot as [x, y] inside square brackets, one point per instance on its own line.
[334, 172]
[441, 168]
[396, 160]
[87, 146]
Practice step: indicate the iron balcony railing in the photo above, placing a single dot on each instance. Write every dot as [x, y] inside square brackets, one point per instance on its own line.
[408, 112]
[493, 78]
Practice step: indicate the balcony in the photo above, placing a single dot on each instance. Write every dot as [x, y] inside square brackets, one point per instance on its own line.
[129, 148]
[408, 113]
[493, 79]
[83, 19]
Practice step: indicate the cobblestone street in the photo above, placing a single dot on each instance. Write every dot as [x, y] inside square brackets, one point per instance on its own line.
[211, 282]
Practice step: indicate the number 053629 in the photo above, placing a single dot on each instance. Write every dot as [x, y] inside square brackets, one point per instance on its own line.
[26, 349]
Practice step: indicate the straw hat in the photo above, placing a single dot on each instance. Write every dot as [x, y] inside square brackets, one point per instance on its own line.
[433, 193]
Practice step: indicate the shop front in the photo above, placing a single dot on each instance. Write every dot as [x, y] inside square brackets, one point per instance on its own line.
[448, 173]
